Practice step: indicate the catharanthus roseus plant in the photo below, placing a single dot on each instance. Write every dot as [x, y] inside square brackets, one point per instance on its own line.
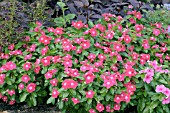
[101, 67]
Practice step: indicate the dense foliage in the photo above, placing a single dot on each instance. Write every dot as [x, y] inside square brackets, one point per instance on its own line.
[104, 66]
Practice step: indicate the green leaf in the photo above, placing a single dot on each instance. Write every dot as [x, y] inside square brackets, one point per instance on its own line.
[42, 93]
[34, 101]
[142, 104]
[23, 96]
[61, 4]
[108, 97]
[154, 104]
[146, 110]
[89, 101]
[60, 104]
[65, 94]
[44, 70]
[90, 23]
[51, 100]
[70, 16]
[163, 81]
[73, 92]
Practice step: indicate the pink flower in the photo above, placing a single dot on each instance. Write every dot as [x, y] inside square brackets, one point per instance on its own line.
[100, 107]
[138, 15]
[54, 82]
[116, 106]
[25, 78]
[126, 98]
[160, 88]
[92, 111]
[139, 27]
[46, 61]
[11, 47]
[27, 66]
[108, 83]
[58, 31]
[166, 100]
[21, 86]
[75, 100]
[1, 96]
[44, 50]
[28, 57]
[156, 32]
[78, 24]
[89, 77]
[5, 98]
[1, 81]
[10, 66]
[37, 69]
[85, 44]
[11, 92]
[44, 39]
[148, 78]
[130, 72]
[127, 39]
[117, 99]
[32, 48]
[145, 44]
[12, 102]
[90, 94]
[48, 75]
[69, 83]
[166, 92]
[55, 93]
[93, 32]
[31, 87]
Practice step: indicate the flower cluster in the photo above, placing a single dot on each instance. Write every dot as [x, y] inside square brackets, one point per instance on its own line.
[94, 68]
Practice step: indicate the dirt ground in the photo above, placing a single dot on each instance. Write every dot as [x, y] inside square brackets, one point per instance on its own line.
[23, 108]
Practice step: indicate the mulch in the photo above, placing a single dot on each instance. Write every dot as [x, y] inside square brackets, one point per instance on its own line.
[23, 108]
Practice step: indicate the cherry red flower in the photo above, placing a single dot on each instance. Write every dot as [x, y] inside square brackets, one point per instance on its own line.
[139, 27]
[11, 92]
[54, 82]
[25, 78]
[89, 77]
[75, 100]
[44, 50]
[138, 15]
[156, 32]
[58, 31]
[127, 39]
[78, 24]
[116, 106]
[31, 87]
[55, 93]
[10, 66]
[117, 99]
[46, 61]
[100, 107]
[93, 32]
[12, 102]
[85, 44]
[28, 57]
[21, 86]
[92, 111]
[11, 47]
[69, 83]
[27, 66]
[37, 69]
[90, 94]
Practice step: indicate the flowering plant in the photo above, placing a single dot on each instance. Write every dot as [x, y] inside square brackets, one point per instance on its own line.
[101, 67]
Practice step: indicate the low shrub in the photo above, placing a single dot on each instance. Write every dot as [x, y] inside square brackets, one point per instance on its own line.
[104, 66]
[15, 17]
